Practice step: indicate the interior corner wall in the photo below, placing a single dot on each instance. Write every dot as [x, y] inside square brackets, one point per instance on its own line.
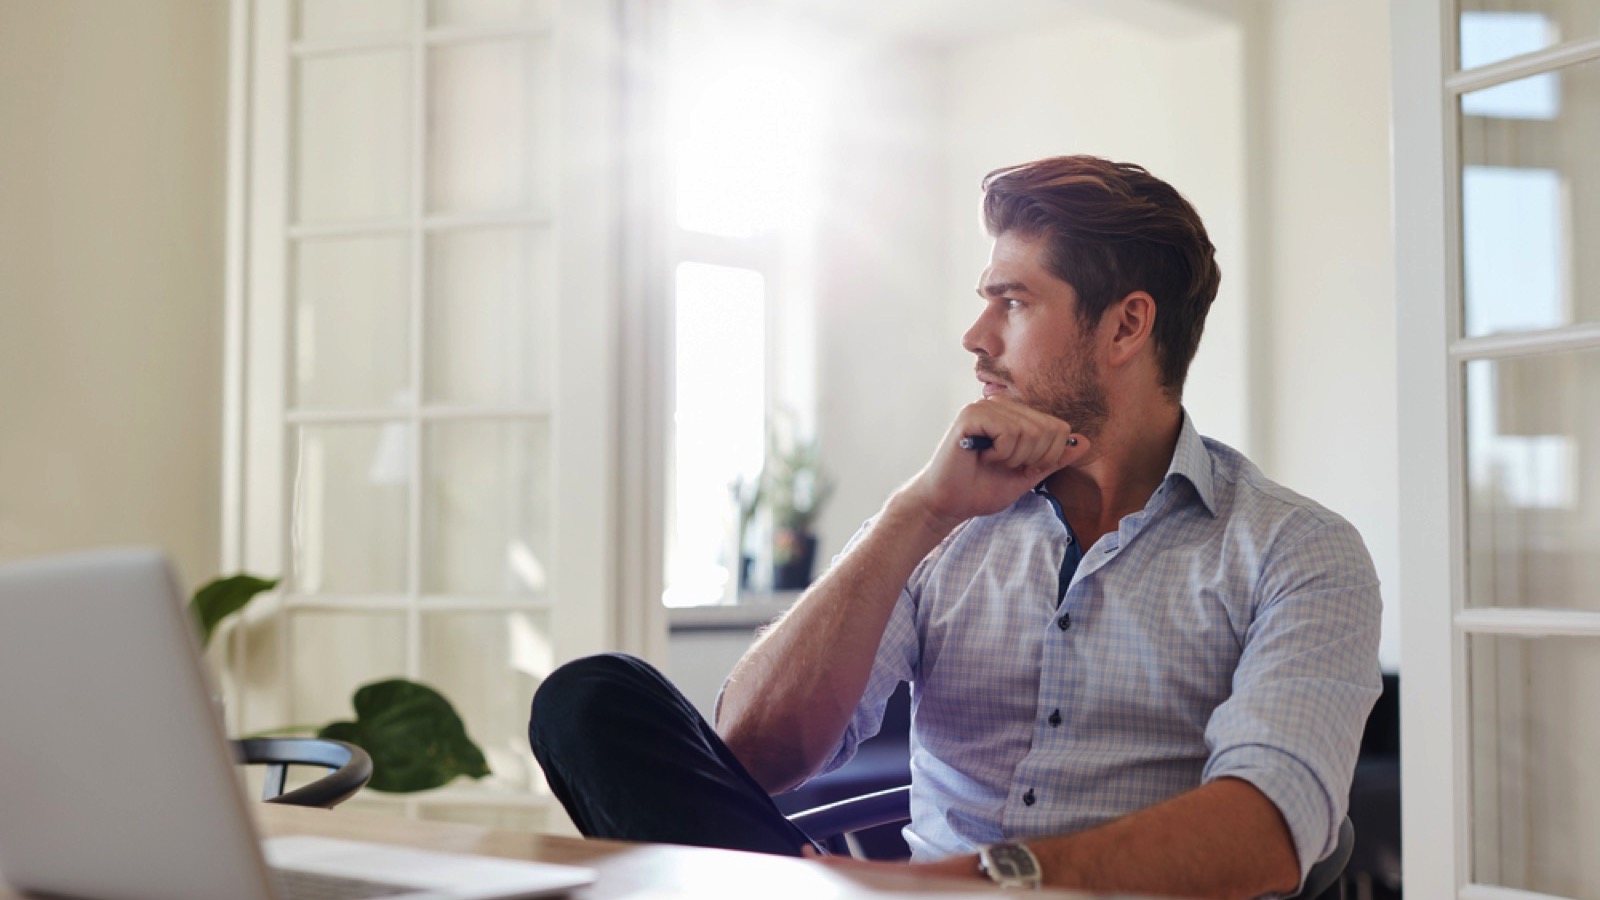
[112, 161]
[882, 348]
[1327, 365]
[1181, 116]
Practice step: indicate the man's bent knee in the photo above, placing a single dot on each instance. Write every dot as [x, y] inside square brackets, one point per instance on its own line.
[579, 694]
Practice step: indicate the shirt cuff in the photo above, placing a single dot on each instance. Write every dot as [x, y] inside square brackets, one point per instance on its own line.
[1293, 787]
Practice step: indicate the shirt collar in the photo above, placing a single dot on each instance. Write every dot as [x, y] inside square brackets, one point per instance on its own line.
[1192, 461]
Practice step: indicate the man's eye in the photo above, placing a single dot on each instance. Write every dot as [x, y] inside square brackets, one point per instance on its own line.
[1013, 304]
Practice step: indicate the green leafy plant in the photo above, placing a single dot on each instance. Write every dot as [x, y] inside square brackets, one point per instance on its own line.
[415, 738]
[223, 597]
[413, 735]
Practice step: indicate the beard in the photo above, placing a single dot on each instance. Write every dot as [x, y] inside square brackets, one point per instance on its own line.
[1069, 388]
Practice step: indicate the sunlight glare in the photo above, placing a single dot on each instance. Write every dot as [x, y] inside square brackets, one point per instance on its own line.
[746, 149]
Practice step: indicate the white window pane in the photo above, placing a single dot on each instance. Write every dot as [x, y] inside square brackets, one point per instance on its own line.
[329, 19]
[1533, 473]
[352, 329]
[353, 137]
[490, 127]
[488, 665]
[1512, 249]
[490, 317]
[335, 653]
[1535, 806]
[486, 508]
[719, 424]
[350, 508]
[1493, 30]
[1530, 197]
[459, 13]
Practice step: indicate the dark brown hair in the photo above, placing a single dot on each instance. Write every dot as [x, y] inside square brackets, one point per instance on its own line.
[1112, 229]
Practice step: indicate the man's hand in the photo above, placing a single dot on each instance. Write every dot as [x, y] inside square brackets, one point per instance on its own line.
[1028, 447]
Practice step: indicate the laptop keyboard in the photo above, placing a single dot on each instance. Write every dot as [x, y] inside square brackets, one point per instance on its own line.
[297, 885]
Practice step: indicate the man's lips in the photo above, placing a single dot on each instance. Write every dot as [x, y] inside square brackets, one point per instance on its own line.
[990, 388]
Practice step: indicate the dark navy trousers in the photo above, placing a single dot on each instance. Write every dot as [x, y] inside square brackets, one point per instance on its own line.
[632, 759]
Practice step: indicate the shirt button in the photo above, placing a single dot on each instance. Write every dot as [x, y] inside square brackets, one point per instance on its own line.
[1055, 719]
[1064, 622]
[1028, 798]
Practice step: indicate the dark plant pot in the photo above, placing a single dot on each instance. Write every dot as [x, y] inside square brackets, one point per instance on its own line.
[794, 555]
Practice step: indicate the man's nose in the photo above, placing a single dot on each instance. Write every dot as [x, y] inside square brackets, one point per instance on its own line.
[980, 338]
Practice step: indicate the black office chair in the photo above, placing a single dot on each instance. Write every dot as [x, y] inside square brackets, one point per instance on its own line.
[349, 768]
[832, 822]
[836, 825]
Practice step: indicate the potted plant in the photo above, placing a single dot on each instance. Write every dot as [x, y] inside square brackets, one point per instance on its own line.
[794, 489]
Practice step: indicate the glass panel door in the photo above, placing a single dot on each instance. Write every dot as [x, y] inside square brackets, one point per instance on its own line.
[1525, 358]
[404, 349]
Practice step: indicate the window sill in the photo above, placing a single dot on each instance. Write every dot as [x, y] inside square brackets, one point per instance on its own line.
[751, 612]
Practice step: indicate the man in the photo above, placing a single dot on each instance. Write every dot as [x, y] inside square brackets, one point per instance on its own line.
[1136, 663]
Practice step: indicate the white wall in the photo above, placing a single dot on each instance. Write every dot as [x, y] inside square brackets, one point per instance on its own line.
[1327, 388]
[901, 245]
[881, 293]
[112, 150]
[1171, 102]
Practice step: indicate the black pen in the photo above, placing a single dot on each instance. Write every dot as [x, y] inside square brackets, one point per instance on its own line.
[984, 442]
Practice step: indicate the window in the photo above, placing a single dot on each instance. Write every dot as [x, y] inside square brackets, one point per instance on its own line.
[744, 131]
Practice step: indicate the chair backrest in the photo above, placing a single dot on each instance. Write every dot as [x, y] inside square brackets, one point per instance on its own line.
[856, 813]
[349, 768]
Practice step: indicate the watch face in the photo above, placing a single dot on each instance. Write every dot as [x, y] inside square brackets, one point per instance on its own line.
[1010, 861]
[1011, 865]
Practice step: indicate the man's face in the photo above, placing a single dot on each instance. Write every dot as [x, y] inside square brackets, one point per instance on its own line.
[1029, 341]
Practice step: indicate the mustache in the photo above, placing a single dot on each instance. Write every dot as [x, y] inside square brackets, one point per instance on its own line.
[987, 366]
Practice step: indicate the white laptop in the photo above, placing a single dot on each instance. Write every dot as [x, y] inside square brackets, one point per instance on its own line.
[116, 780]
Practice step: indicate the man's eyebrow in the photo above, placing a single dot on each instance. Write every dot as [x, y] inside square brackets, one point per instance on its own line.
[1001, 288]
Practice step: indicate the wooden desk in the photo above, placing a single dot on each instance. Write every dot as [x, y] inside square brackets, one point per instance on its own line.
[656, 871]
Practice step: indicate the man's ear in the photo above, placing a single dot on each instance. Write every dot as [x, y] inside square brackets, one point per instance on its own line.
[1129, 323]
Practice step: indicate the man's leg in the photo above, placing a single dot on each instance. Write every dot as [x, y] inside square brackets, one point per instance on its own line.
[632, 759]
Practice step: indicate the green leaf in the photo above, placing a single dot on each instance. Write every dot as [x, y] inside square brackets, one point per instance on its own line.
[223, 597]
[415, 739]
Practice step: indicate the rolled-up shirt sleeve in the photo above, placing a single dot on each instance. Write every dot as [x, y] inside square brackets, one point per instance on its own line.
[895, 662]
[1306, 680]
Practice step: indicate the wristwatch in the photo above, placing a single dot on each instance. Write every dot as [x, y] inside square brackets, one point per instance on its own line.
[1010, 866]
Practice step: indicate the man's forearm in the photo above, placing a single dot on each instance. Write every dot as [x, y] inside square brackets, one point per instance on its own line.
[1224, 839]
[792, 694]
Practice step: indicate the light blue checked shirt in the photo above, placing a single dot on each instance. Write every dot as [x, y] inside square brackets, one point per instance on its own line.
[1230, 628]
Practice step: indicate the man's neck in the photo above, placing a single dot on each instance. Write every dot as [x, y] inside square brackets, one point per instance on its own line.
[1130, 457]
